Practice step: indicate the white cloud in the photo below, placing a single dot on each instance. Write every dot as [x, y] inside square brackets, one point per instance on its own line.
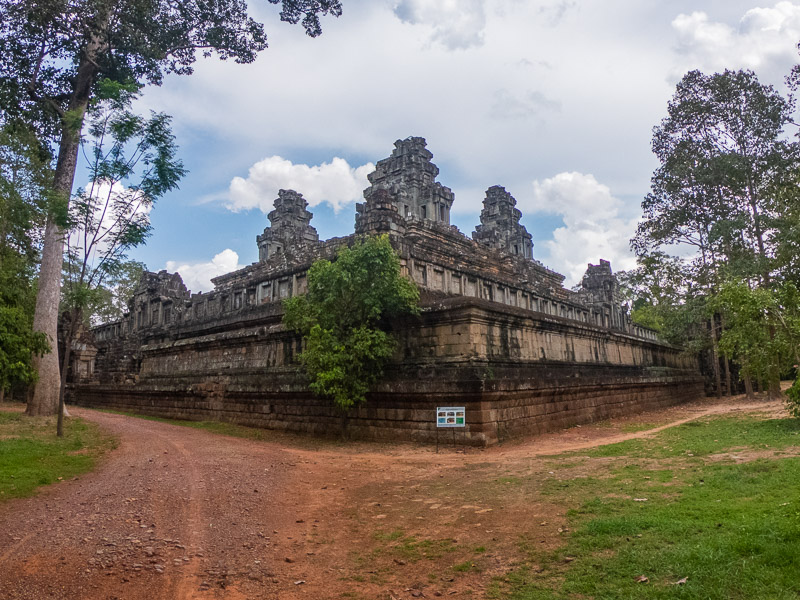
[456, 24]
[372, 78]
[336, 183]
[556, 11]
[764, 41]
[530, 104]
[197, 276]
[115, 206]
[593, 228]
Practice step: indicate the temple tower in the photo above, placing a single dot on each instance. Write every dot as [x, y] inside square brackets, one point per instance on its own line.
[500, 227]
[289, 226]
[409, 176]
[600, 290]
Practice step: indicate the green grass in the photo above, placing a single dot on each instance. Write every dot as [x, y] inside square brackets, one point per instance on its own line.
[466, 567]
[32, 456]
[710, 436]
[733, 530]
[389, 536]
[637, 427]
[412, 549]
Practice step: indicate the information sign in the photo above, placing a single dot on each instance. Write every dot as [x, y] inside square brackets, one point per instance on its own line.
[450, 416]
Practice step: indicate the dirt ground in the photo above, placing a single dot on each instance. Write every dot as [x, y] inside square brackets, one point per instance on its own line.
[179, 513]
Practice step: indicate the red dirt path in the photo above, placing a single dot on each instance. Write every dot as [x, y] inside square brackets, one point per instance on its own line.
[179, 513]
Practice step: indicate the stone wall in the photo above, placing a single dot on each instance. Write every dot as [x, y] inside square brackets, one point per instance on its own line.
[517, 371]
[499, 333]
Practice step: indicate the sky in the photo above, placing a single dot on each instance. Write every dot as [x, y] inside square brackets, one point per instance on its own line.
[555, 99]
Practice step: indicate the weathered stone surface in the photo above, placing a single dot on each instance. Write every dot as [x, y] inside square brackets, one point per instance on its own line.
[409, 176]
[498, 333]
[500, 227]
[289, 226]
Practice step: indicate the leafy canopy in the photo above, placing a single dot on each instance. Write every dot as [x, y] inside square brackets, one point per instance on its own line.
[725, 197]
[340, 319]
[43, 44]
[132, 162]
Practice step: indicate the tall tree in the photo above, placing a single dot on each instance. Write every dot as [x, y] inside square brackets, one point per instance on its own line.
[726, 163]
[23, 182]
[53, 54]
[132, 164]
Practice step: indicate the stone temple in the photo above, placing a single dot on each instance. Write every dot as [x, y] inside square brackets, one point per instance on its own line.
[498, 333]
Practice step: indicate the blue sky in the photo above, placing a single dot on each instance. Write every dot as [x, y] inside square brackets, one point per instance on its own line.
[554, 99]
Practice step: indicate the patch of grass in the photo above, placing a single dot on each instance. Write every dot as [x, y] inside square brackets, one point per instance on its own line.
[732, 530]
[509, 479]
[564, 464]
[32, 456]
[412, 550]
[389, 536]
[479, 550]
[466, 567]
[710, 436]
[637, 427]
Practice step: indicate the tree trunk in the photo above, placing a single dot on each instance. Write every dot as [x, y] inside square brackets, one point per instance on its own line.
[715, 359]
[774, 388]
[2, 394]
[44, 400]
[748, 387]
[728, 381]
[69, 334]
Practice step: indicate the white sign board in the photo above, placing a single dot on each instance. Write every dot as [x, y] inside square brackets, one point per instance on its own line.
[451, 416]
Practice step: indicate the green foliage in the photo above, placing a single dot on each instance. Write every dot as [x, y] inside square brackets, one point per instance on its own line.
[762, 326]
[44, 44]
[111, 302]
[340, 319]
[18, 342]
[793, 399]
[23, 172]
[726, 190]
[31, 457]
[723, 160]
[663, 297]
[133, 163]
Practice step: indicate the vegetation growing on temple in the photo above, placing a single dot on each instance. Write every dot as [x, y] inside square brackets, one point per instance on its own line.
[343, 319]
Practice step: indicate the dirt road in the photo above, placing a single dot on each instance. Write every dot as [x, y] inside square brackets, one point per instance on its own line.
[172, 513]
[178, 513]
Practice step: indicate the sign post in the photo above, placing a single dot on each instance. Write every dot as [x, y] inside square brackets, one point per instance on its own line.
[450, 417]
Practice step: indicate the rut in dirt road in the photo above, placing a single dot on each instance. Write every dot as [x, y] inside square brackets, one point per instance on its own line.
[171, 513]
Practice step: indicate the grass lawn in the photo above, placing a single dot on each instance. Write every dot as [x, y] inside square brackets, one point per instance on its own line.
[31, 455]
[707, 510]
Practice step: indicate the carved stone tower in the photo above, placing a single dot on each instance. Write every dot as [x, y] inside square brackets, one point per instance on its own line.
[600, 290]
[408, 175]
[289, 226]
[379, 215]
[500, 227]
